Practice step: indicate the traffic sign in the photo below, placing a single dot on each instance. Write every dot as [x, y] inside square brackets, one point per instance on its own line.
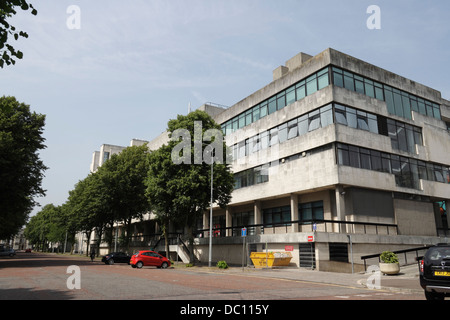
[310, 238]
[243, 232]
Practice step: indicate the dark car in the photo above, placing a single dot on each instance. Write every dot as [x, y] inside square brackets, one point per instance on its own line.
[434, 271]
[114, 257]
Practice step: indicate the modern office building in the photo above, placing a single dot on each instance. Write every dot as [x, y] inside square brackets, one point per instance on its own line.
[333, 160]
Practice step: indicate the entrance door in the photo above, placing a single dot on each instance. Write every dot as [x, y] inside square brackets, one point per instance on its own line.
[307, 254]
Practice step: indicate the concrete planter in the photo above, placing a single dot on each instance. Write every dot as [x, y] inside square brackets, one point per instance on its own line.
[389, 268]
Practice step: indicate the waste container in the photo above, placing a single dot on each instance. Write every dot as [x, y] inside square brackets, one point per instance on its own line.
[270, 259]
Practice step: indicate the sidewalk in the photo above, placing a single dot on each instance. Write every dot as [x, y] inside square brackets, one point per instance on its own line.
[406, 281]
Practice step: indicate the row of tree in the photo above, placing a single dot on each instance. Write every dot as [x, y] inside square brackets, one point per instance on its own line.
[135, 182]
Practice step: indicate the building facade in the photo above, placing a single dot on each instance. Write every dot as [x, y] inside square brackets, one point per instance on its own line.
[334, 159]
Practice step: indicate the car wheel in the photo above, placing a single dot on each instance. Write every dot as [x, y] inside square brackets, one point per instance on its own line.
[139, 264]
[434, 296]
[111, 261]
[164, 265]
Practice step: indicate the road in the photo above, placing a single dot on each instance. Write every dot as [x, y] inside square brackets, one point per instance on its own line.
[34, 276]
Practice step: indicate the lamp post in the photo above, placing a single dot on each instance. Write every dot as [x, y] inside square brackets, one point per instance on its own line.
[210, 216]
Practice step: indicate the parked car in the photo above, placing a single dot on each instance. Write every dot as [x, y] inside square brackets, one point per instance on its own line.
[28, 250]
[7, 252]
[434, 272]
[149, 258]
[113, 257]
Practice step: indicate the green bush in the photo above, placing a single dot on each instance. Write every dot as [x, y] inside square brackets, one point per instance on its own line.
[389, 257]
[222, 264]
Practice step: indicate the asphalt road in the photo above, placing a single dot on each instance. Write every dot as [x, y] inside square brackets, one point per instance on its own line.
[35, 276]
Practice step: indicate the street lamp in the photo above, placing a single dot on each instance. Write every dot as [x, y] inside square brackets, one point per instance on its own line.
[210, 215]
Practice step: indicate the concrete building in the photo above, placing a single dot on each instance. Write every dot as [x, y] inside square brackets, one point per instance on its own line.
[334, 159]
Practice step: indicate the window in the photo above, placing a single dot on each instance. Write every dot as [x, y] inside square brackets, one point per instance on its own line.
[311, 211]
[398, 102]
[277, 216]
[311, 85]
[314, 82]
[326, 115]
[292, 129]
[314, 120]
[282, 133]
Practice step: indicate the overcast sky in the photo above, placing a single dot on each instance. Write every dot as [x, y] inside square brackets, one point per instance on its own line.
[131, 66]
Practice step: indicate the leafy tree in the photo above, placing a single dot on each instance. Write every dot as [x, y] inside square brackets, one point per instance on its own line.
[7, 10]
[88, 207]
[21, 170]
[182, 192]
[124, 178]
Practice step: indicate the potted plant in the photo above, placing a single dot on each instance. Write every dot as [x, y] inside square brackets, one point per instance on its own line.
[389, 264]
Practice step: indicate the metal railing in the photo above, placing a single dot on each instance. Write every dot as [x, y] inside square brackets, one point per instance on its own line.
[400, 253]
[305, 225]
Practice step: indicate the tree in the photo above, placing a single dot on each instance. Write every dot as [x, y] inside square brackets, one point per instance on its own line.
[182, 192]
[124, 178]
[21, 170]
[7, 10]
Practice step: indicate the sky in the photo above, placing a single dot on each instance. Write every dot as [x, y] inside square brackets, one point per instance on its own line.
[112, 71]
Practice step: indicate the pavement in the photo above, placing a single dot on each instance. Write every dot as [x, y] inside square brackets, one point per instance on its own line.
[407, 280]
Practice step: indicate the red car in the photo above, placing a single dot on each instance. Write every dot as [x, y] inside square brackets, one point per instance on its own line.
[149, 258]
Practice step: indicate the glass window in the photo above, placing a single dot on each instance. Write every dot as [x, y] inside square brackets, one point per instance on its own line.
[256, 146]
[300, 91]
[406, 107]
[379, 91]
[401, 137]
[414, 105]
[375, 160]
[340, 114]
[422, 109]
[241, 149]
[292, 129]
[348, 81]
[418, 136]
[338, 79]
[354, 156]
[314, 120]
[389, 101]
[343, 155]
[248, 117]
[386, 162]
[398, 104]
[272, 105]
[359, 85]
[273, 136]
[256, 112]
[436, 111]
[368, 87]
[326, 115]
[351, 117]
[365, 158]
[264, 137]
[373, 123]
[303, 125]
[263, 110]
[290, 95]
[241, 121]
[281, 101]
[429, 108]
[323, 80]
[282, 132]
[311, 85]
[362, 120]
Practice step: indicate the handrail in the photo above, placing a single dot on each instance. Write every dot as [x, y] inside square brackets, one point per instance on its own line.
[404, 251]
[311, 222]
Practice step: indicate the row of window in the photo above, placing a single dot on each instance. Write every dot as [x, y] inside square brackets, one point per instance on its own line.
[403, 136]
[311, 121]
[295, 92]
[398, 102]
[407, 171]
[306, 212]
[251, 176]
